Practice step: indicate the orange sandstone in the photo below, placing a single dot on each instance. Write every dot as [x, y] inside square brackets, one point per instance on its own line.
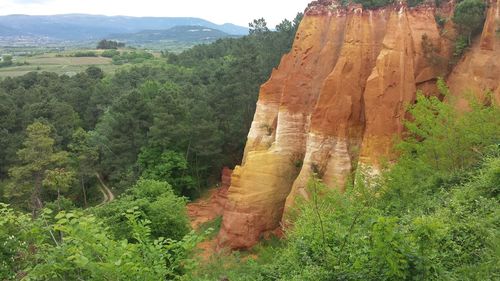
[337, 101]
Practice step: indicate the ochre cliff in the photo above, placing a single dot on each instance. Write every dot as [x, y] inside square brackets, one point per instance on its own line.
[479, 70]
[337, 101]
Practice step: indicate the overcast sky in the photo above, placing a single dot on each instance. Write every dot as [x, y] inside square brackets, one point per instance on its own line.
[240, 12]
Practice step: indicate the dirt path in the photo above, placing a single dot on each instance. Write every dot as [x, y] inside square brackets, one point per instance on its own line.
[107, 195]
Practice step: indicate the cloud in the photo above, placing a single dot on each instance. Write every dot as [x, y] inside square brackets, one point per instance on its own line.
[219, 11]
[28, 2]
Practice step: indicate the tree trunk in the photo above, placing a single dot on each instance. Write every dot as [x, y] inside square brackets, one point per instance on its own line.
[36, 201]
[84, 192]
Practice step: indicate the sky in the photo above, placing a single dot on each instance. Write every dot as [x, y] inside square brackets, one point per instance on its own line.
[239, 12]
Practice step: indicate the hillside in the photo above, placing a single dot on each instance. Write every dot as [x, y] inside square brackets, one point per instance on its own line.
[190, 33]
[82, 27]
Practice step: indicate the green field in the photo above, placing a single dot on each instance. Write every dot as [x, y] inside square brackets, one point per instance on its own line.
[50, 62]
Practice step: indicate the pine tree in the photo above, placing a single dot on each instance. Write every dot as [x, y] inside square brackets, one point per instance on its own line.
[36, 158]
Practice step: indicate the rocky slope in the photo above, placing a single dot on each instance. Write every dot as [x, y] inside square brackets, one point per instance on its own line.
[337, 101]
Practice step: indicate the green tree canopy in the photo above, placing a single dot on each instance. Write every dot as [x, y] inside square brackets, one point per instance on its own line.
[37, 157]
[469, 15]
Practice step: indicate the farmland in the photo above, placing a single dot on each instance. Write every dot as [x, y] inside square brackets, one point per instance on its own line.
[60, 63]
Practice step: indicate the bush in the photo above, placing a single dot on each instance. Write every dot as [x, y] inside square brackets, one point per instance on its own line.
[156, 202]
[110, 53]
[87, 251]
[81, 54]
[440, 20]
[18, 237]
[169, 166]
[132, 57]
[374, 4]
[6, 61]
[414, 3]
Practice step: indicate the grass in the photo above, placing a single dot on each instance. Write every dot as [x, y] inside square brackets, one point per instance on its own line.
[214, 224]
[50, 62]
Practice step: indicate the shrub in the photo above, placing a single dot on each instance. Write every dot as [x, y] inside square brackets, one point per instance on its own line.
[169, 166]
[87, 251]
[6, 61]
[84, 54]
[110, 53]
[414, 3]
[374, 4]
[156, 202]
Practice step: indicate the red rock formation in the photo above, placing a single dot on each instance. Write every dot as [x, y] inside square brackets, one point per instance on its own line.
[479, 70]
[336, 101]
[210, 207]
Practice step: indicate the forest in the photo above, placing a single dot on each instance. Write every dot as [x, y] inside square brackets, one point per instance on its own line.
[96, 170]
[153, 135]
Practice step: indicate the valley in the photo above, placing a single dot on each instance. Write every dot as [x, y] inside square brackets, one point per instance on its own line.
[358, 141]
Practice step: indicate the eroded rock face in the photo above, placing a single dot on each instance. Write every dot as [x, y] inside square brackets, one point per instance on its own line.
[479, 70]
[336, 102]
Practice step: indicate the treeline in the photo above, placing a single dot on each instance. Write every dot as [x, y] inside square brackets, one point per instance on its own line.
[109, 44]
[179, 119]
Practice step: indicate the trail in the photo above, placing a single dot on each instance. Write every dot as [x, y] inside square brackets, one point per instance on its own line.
[107, 195]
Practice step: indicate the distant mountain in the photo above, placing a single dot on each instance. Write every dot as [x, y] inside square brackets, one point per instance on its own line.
[189, 34]
[81, 27]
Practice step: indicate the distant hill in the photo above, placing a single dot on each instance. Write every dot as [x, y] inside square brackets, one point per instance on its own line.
[82, 27]
[189, 34]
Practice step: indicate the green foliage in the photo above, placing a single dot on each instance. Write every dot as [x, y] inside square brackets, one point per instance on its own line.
[88, 252]
[431, 216]
[169, 166]
[82, 54]
[109, 44]
[460, 46]
[131, 57]
[85, 156]
[78, 246]
[95, 73]
[414, 3]
[469, 16]
[198, 105]
[374, 4]
[18, 234]
[153, 200]
[258, 26]
[39, 164]
[6, 61]
[121, 134]
[110, 53]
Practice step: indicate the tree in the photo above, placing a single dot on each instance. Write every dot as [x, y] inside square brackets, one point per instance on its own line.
[36, 158]
[85, 156]
[95, 72]
[121, 134]
[169, 166]
[469, 15]
[258, 26]
[6, 61]
[109, 44]
[59, 180]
